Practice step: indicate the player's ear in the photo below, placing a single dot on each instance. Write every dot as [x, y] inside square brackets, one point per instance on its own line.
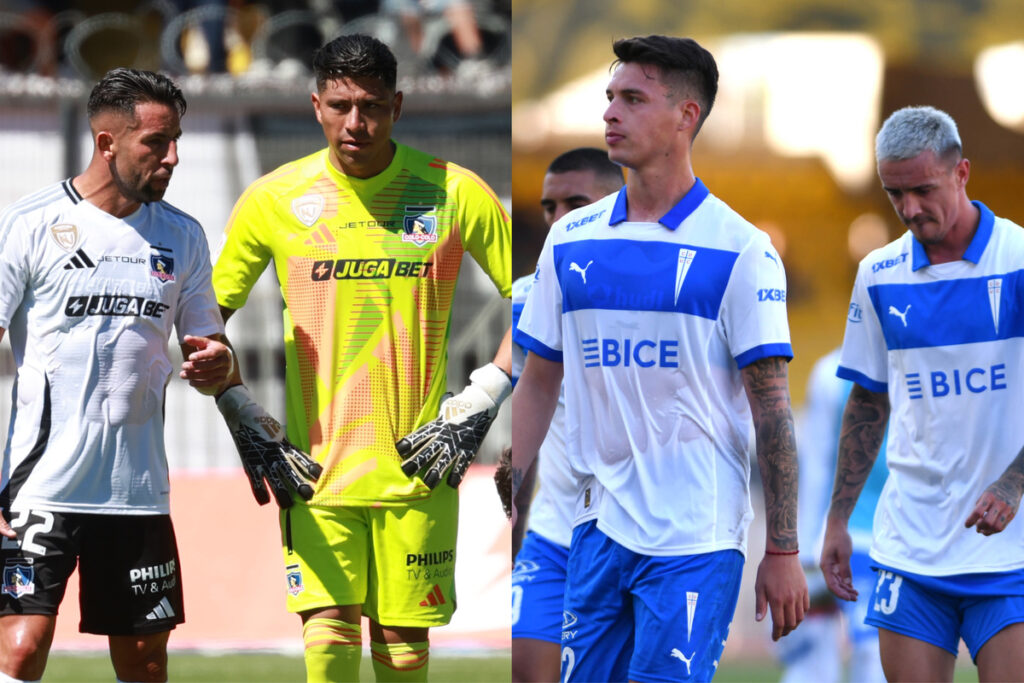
[105, 144]
[963, 172]
[690, 111]
[315, 98]
[396, 109]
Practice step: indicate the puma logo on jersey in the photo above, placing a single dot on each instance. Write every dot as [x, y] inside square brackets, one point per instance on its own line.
[575, 268]
[681, 657]
[902, 315]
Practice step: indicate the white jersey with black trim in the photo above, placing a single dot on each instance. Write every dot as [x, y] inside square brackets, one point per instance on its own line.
[88, 300]
[553, 505]
[653, 322]
[946, 342]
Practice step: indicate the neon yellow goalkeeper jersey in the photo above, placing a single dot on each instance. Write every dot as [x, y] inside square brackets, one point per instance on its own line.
[367, 269]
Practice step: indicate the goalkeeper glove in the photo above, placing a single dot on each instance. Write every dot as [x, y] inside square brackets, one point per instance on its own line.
[451, 441]
[265, 452]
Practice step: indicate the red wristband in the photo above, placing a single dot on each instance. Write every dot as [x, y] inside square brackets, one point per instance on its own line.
[781, 552]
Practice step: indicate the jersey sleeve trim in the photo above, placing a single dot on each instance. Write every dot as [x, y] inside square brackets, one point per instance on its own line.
[862, 379]
[535, 346]
[477, 180]
[764, 351]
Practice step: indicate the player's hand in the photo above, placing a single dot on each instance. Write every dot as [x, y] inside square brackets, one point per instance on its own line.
[265, 452]
[209, 366]
[5, 527]
[782, 588]
[835, 560]
[503, 481]
[450, 442]
[996, 507]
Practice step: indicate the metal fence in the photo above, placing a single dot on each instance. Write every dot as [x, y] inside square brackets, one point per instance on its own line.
[233, 133]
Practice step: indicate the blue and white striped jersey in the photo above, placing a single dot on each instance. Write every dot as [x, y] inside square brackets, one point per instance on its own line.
[553, 505]
[88, 300]
[653, 322]
[946, 342]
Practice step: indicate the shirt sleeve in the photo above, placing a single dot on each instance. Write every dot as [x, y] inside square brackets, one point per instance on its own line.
[540, 324]
[14, 266]
[244, 252]
[864, 359]
[520, 290]
[485, 228]
[754, 307]
[197, 312]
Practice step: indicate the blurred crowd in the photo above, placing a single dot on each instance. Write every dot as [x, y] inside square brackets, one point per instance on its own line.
[245, 38]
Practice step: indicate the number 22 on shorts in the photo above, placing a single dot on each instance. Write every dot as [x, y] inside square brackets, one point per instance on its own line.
[888, 605]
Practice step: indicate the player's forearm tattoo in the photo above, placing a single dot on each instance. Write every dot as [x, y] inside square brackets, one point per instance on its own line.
[768, 391]
[864, 421]
[1010, 485]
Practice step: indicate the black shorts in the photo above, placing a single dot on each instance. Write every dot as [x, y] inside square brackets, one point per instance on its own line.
[128, 569]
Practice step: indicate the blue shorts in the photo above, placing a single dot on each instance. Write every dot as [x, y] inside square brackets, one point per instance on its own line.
[942, 609]
[538, 589]
[636, 617]
[864, 580]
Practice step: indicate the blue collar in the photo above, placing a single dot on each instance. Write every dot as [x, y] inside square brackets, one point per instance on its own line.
[974, 250]
[675, 216]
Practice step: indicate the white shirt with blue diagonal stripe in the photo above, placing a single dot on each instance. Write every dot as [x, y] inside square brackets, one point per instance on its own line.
[653, 322]
[946, 342]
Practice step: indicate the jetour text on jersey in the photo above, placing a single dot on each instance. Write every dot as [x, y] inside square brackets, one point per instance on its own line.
[367, 269]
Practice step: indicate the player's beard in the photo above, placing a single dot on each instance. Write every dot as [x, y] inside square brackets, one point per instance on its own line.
[134, 187]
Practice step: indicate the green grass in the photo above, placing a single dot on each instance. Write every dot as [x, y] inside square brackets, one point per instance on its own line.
[260, 667]
[490, 667]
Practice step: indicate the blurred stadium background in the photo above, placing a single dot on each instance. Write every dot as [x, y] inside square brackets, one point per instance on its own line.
[244, 68]
[804, 86]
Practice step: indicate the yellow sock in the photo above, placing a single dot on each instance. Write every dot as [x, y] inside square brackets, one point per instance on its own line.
[333, 650]
[400, 662]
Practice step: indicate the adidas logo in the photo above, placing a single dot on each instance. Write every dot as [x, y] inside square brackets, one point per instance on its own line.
[434, 598]
[320, 236]
[79, 260]
[163, 610]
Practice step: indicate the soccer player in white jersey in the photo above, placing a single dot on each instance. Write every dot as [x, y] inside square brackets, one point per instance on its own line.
[94, 271]
[665, 311]
[934, 340]
[574, 179]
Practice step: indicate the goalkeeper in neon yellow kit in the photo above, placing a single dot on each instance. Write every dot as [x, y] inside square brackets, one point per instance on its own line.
[367, 237]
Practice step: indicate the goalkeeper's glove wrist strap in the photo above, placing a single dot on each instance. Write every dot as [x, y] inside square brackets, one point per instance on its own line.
[232, 400]
[493, 381]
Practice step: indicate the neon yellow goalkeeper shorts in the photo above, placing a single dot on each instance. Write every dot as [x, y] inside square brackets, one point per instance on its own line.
[397, 562]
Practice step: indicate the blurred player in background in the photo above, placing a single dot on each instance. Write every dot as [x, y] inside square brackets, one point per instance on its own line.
[94, 271]
[667, 311]
[933, 335]
[573, 180]
[815, 651]
[367, 237]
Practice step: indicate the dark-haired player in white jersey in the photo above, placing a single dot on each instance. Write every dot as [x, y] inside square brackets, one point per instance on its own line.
[665, 312]
[94, 272]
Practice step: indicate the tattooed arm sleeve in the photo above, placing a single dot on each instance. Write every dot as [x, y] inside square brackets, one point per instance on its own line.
[767, 387]
[864, 420]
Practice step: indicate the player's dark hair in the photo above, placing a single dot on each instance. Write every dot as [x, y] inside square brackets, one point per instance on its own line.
[355, 56]
[588, 159]
[121, 89]
[685, 66]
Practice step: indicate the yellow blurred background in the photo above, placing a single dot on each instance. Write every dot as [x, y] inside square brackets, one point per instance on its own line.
[804, 86]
